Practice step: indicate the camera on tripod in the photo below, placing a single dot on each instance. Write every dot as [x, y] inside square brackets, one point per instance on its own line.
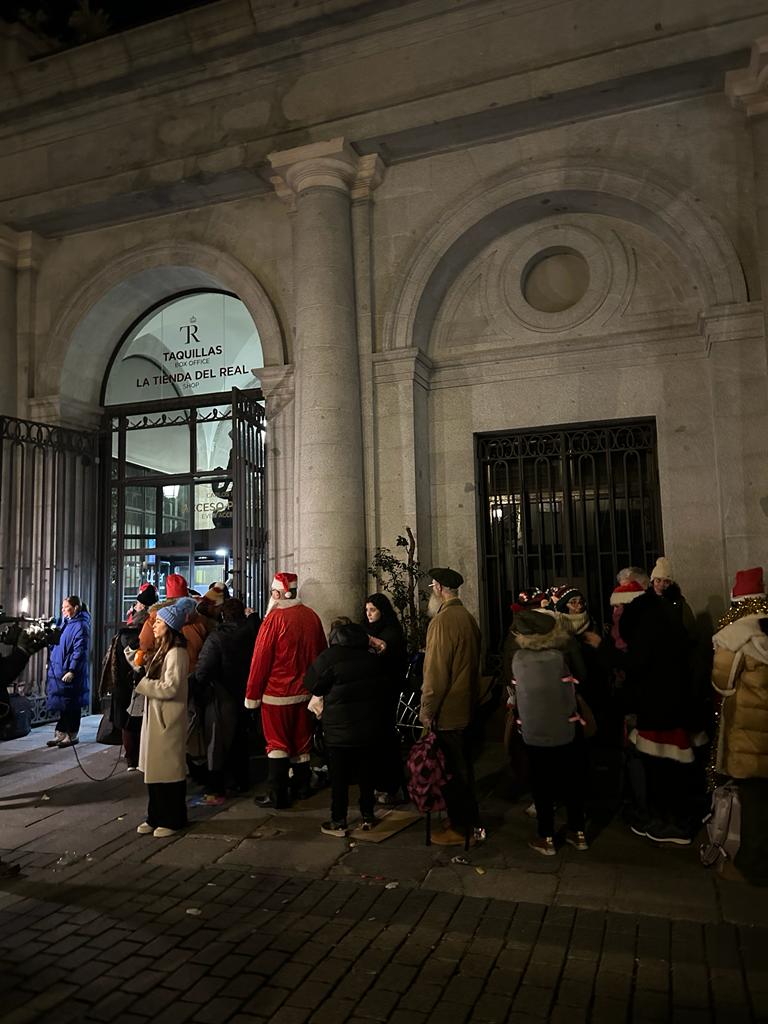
[31, 634]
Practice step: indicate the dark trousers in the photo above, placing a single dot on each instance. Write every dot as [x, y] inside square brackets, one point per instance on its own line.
[132, 740]
[167, 804]
[347, 765]
[389, 771]
[558, 773]
[672, 790]
[69, 722]
[459, 792]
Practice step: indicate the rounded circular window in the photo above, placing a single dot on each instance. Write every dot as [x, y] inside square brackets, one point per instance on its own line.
[555, 279]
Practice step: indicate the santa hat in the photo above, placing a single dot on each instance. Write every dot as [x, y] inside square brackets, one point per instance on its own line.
[216, 594]
[662, 570]
[626, 592]
[285, 582]
[748, 583]
[176, 585]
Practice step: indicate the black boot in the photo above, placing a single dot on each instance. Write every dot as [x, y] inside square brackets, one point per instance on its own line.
[277, 794]
[301, 782]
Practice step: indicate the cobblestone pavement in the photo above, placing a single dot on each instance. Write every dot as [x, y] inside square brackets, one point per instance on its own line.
[250, 918]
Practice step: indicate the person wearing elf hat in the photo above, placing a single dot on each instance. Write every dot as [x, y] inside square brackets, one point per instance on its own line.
[290, 638]
[658, 629]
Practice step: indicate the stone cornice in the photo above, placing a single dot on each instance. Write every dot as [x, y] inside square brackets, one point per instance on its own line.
[747, 88]
[728, 324]
[65, 412]
[402, 366]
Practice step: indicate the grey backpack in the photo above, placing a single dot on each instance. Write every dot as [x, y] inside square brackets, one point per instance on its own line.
[723, 826]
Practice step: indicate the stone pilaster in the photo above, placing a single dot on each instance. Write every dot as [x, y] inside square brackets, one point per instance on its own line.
[747, 90]
[401, 381]
[739, 357]
[28, 260]
[278, 386]
[8, 251]
[330, 557]
[369, 175]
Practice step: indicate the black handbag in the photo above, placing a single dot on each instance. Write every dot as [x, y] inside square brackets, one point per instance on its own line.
[108, 733]
[15, 717]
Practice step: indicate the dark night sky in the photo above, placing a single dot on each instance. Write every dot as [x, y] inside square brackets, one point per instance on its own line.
[52, 16]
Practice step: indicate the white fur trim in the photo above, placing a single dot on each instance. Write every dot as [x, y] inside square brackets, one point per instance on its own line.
[747, 597]
[275, 754]
[300, 759]
[668, 750]
[299, 698]
[252, 704]
[625, 596]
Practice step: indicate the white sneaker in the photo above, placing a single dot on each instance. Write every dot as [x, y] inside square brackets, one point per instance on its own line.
[131, 768]
[161, 832]
[144, 829]
[57, 738]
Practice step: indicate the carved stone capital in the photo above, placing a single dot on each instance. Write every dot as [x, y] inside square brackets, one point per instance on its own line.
[9, 247]
[370, 171]
[747, 88]
[332, 164]
[278, 385]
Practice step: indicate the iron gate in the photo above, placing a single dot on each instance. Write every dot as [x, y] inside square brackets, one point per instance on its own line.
[48, 513]
[568, 504]
[249, 518]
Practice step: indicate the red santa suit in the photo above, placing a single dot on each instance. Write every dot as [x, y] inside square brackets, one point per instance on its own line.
[290, 638]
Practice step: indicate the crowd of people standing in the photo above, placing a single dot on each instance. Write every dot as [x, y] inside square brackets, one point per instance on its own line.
[187, 674]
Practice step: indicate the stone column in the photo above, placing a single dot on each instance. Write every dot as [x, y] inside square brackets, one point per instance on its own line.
[8, 250]
[329, 504]
[277, 383]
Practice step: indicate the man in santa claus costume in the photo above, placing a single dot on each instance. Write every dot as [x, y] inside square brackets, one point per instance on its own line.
[290, 638]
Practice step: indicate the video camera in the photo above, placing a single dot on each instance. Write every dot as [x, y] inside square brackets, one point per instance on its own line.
[30, 634]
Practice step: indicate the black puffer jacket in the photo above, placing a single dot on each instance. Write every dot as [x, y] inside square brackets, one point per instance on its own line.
[225, 659]
[356, 688]
[657, 631]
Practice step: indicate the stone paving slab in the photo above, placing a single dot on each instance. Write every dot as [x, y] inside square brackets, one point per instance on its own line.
[100, 944]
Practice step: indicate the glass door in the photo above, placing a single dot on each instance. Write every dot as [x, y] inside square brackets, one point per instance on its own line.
[172, 501]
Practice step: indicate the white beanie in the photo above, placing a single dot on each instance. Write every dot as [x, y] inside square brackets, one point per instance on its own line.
[662, 570]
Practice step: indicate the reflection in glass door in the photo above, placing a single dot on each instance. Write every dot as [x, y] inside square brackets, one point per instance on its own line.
[172, 496]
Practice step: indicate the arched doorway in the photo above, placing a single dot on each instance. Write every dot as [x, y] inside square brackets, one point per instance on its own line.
[183, 479]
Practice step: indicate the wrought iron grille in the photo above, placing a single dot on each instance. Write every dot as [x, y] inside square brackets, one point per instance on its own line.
[249, 525]
[48, 508]
[570, 504]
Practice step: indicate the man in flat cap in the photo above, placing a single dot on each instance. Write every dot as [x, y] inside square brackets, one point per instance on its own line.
[449, 695]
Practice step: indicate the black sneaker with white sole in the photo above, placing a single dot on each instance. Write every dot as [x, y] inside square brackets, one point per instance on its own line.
[668, 833]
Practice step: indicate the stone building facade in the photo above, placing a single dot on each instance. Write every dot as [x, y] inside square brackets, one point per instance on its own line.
[378, 182]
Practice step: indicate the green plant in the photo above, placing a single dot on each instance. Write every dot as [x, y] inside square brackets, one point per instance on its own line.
[399, 577]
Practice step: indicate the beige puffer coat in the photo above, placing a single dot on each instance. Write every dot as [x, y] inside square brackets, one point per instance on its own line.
[163, 747]
[740, 675]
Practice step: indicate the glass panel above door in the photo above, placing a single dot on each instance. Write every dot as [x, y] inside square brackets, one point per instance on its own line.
[196, 344]
[161, 451]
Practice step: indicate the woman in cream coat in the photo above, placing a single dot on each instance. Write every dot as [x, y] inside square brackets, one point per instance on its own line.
[162, 754]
